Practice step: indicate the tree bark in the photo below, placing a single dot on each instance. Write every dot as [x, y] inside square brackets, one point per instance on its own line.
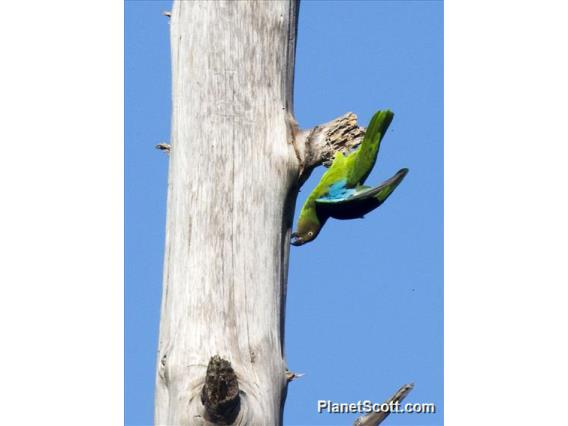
[237, 160]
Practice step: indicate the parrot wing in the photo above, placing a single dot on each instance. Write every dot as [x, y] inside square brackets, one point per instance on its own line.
[355, 203]
[362, 161]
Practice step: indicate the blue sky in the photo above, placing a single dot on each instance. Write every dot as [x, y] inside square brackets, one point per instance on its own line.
[365, 300]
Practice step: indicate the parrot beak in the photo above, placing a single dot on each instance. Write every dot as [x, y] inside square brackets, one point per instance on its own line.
[296, 239]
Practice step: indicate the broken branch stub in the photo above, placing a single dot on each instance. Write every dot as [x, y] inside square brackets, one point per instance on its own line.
[165, 147]
[318, 145]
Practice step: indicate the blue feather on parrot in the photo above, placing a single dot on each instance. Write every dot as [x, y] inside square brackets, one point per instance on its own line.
[341, 193]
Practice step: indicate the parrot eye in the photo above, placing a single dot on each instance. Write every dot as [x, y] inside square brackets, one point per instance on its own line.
[310, 234]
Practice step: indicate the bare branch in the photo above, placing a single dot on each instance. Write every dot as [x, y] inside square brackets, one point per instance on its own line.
[376, 418]
[220, 393]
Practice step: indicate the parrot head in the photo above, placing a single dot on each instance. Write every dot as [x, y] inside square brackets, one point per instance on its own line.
[307, 231]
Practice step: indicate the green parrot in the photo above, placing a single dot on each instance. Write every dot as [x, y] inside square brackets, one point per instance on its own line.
[340, 193]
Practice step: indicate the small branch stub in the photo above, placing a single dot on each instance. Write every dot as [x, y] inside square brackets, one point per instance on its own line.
[166, 147]
[290, 375]
[220, 393]
[376, 418]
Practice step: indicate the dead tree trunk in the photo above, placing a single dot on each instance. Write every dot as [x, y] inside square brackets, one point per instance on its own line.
[236, 163]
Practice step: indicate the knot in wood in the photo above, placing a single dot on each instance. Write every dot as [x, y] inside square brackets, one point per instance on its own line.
[220, 393]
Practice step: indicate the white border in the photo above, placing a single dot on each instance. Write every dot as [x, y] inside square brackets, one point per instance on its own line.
[506, 233]
[61, 177]
[61, 217]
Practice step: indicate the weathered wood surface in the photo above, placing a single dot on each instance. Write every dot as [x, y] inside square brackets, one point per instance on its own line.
[232, 186]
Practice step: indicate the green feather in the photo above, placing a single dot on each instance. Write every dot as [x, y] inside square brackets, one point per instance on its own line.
[353, 168]
[363, 160]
